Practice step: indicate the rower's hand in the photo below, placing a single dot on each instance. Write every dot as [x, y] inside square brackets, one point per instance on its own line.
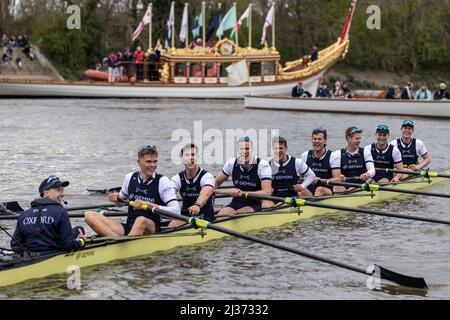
[235, 193]
[137, 204]
[194, 210]
[298, 187]
[81, 234]
[316, 180]
[396, 178]
[342, 178]
[365, 176]
[413, 167]
[114, 197]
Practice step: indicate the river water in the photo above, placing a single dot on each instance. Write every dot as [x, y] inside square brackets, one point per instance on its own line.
[92, 143]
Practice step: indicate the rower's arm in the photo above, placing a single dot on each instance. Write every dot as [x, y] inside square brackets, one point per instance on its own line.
[370, 166]
[205, 194]
[266, 187]
[336, 174]
[17, 240]
[426, 161]
[220, 178]
[207, 183]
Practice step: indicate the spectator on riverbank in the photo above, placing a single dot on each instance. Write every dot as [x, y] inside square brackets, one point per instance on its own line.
[346, 90]
[19, 63]
[323, 91]
[408, 91]
[393, 92]
[300, 92]
[112, 61]
[423, 93]
[442, 93]
[337, 90]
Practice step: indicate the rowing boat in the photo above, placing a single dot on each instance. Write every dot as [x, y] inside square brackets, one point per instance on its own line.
[104, 250]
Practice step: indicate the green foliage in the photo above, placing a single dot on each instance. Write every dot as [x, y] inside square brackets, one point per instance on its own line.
[414, 35]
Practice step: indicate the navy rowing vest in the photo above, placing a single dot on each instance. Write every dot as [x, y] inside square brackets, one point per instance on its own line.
[383, 160]
[247, 180]
[321, 167]
[353, 165]
[145, 191]
[190, 191]
[409, 154]
[285, 178]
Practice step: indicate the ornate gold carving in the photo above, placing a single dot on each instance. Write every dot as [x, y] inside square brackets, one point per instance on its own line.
[224, 47]
[164, 73]
[327, 58]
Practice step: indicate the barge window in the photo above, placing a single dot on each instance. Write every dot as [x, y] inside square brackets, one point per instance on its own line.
[196, 70]
[180, 69]
[211, 70]
[269, 68]
[255, 69]
[223, 69]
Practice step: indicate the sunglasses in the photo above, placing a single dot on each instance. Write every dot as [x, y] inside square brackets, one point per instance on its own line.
[408, 123]
[354, 130]
[383, 128]
[244, 139]
[146, 147]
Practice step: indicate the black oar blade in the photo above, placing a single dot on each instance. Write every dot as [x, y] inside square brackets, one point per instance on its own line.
[12, 206]
[401, 279]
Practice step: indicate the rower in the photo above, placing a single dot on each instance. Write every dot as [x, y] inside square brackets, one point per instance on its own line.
[249, 173]
[356, 163]
[322, 162]
[386, 156]
[196, 187]
[411, 148]
[143, 187]
[46, 227]
[286, 172]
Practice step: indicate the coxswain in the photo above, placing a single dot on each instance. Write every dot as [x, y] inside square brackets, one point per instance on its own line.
[356, 163]
[322, 162]
[411, 148]
[143, 187]
[45, 228]
[385, 156]
[196, 187]
[249, 173]
[286, 173]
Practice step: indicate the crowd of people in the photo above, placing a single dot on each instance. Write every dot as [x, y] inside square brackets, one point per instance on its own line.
[339, 91]
[120, 65]
[408, 92]
[8, 45]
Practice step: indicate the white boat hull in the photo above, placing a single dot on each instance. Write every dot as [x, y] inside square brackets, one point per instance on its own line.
[104, 90]
[440, 109]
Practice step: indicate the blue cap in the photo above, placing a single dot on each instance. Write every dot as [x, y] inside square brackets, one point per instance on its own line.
[50, 183]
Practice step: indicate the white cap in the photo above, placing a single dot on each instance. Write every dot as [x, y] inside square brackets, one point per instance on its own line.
[442, 86]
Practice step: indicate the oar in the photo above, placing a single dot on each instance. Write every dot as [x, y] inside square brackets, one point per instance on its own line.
[10, 207]
[375, 269]
[73, 215]
[423, 173]
[295, 202]
[375, 187]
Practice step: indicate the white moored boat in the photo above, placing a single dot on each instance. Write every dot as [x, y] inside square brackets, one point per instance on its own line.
[438, 109]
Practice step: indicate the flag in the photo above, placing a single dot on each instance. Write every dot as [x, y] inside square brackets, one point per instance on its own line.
[214, 24]
[198, 23]
[346, 28]
[145, 20]
[228, 22]
[237, 73]
[243, 22]
[184, 24]
[267, 24]
[170, 23]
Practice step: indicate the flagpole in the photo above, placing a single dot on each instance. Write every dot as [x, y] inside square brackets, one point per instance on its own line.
[219, 5]
[237, 31]
[273, 25]
[250, 26]
[173, 25]
[150, 26]
[204, 23]
[187, 22]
